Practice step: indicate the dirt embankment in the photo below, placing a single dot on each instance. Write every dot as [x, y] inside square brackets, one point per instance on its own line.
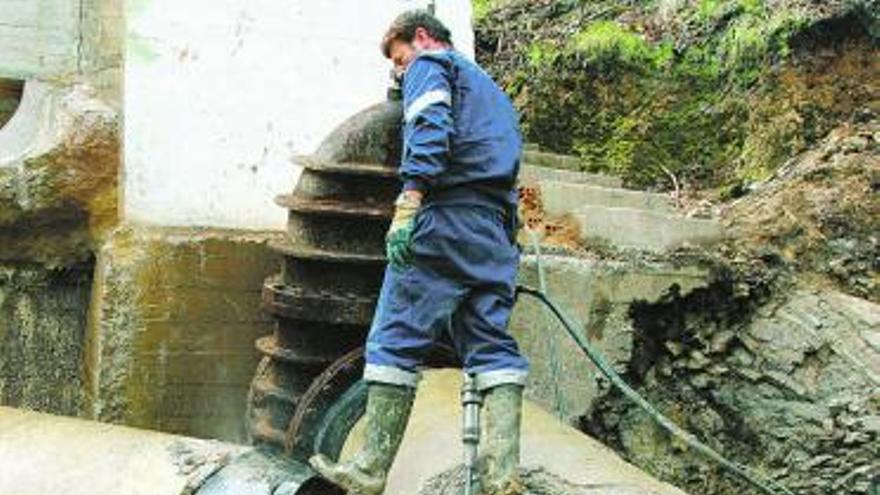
[820, 213]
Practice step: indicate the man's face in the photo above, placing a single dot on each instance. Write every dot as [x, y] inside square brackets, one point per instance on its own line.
[402, 54]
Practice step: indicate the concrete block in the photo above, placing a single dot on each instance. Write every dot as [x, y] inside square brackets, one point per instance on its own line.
[59, 162]
[628, 227]
[559, 198]
[537, 173]
[598, 293]
[173, 320]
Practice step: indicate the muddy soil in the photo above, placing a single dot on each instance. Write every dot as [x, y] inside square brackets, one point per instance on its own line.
[537, 482]
[819, 215]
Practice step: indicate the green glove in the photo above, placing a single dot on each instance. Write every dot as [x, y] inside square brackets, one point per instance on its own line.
[397, 240]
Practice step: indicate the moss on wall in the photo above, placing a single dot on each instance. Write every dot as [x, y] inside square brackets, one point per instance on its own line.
[60, 199]
[715, 92]
[174, 317]
[42, 328]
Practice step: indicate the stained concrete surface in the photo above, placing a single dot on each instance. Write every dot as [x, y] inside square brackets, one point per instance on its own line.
[42, 454]
[174, 317]
[42, 336]
[600, 294]
[432, 445]
[648, 230]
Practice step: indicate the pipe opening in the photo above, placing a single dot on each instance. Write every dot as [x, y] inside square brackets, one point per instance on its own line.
[10, 98]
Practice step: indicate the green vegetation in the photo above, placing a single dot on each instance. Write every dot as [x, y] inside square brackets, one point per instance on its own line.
[483, 8]
[542, 53]
[751, 39]
[707, 91]
[607, 42]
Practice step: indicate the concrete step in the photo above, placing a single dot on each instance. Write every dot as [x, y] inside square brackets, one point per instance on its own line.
[530, 173]
[559, 198]
[552, 160]
[641, 229]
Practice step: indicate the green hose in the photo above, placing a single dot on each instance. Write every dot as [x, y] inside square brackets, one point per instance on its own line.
[571, 325]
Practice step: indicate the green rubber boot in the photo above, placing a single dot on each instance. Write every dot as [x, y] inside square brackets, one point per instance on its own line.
[500, 449]
[388, 410]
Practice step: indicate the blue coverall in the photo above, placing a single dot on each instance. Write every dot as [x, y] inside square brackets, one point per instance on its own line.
[461, 149]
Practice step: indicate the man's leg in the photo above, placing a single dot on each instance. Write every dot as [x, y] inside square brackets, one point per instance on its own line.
[413, 308]
[492, 355]
[387, 413]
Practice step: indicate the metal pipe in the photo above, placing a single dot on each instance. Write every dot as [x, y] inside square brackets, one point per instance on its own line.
[471, 402]
[42, 453]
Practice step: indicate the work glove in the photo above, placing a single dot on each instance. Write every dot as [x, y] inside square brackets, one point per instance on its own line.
[399, 236]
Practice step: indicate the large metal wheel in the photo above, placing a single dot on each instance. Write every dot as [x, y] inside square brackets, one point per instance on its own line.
[335, 402]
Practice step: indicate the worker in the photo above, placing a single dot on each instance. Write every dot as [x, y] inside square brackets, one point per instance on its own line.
[452, 258]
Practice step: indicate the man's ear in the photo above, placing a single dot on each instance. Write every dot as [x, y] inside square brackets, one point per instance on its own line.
[421, 34]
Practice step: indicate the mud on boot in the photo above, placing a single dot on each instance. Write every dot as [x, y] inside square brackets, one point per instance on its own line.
[499, 470]
[388, 410]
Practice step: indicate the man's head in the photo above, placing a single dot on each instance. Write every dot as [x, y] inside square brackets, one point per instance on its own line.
[411, 33]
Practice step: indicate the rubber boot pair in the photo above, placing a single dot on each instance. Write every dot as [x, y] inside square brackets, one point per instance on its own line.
[499, 449]
[388, 411]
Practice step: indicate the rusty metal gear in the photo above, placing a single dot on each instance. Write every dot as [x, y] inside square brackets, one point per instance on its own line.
[323, 298]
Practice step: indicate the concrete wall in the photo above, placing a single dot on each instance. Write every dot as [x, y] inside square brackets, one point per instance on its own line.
[63, 40]
[219, 95]
[39, 38]
[599, 294]
[173, 320]
[42, 332]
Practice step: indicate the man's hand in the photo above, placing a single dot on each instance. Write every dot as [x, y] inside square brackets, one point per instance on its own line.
[397, 240]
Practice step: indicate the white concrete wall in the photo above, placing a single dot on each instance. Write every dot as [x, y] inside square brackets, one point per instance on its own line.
[220, 93]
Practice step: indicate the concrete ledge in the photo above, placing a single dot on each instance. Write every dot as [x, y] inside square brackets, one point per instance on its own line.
[559, 198]
[49, 454]
[628, 227]
[536, 173]
[552, 160]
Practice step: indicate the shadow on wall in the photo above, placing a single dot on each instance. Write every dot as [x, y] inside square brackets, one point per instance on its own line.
[10, 96]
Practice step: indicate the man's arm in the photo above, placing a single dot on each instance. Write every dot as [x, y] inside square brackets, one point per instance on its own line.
[427, 124]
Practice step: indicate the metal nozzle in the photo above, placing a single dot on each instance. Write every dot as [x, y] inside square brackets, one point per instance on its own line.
[471, 401]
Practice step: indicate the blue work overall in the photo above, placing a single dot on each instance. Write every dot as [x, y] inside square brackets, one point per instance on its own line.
[461, 150]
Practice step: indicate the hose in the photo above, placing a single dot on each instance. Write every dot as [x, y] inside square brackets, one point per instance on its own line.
[571, 325]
